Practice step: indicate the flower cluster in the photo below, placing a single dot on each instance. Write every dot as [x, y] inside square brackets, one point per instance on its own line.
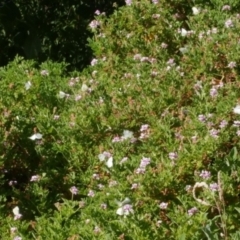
[142, 168]
[125, 136]
[144, 131]
[94, 24]
[107, 158]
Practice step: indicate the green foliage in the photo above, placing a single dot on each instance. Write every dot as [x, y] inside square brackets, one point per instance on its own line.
[142, 144]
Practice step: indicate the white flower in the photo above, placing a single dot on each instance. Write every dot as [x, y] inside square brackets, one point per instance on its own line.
[97, 12]
[195, 10]
[13, 229]
[128, 2]
[107, 158]
[184, 32]
[44, 73]
[17, 238]
[94, 62]
[163, 205]
[109, 162]
[125, 201]
[125, 208]
[237, 109]
[183, 50]
[62, 94]
[84, 88]
[101, 157]
[36, 136]
[94, 24]
[35, 178]
[16, 213]
[127, 134]
[28, 85]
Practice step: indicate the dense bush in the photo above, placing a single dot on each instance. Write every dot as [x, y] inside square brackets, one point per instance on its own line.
[143, 144]
[55, 30]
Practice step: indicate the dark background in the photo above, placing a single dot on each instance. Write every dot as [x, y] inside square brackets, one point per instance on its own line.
[43, 29]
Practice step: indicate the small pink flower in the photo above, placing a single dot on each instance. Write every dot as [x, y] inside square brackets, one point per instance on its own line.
[205, 174]
[144, 127]
[213, 187]
[213, 92]
[12, 183]
[74, 190]
[117, 139]
[78, 97]
[13, 229]
[91, 193]
[127, 209]
[229, 23]
[97, 12]
[97, 229]
[236, 123]
[171, 62]
[197, 86]
[127, 75]
[156, 16]
[137, 56]
[17, 238]
[232, 65]
[135, 186]
[44, 73]
[214, 133]
[154, 73]
[140, 170]
[71, 82]
[35, 178]
[56, 117]
[94, 62]
[223, 124]
[164, 45]
[144, 162]
[128, 2]
[143, 135]
[202, 118]
[192, 211]
[226, 8]
[94, 24]
[104, 206]
[96, 176]
[163, 205]
[107, 154]
[179, 136]
[173, 155]
[100, 186]
[113, 183]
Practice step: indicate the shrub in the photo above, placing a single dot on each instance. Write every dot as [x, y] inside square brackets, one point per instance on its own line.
[143, 144]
